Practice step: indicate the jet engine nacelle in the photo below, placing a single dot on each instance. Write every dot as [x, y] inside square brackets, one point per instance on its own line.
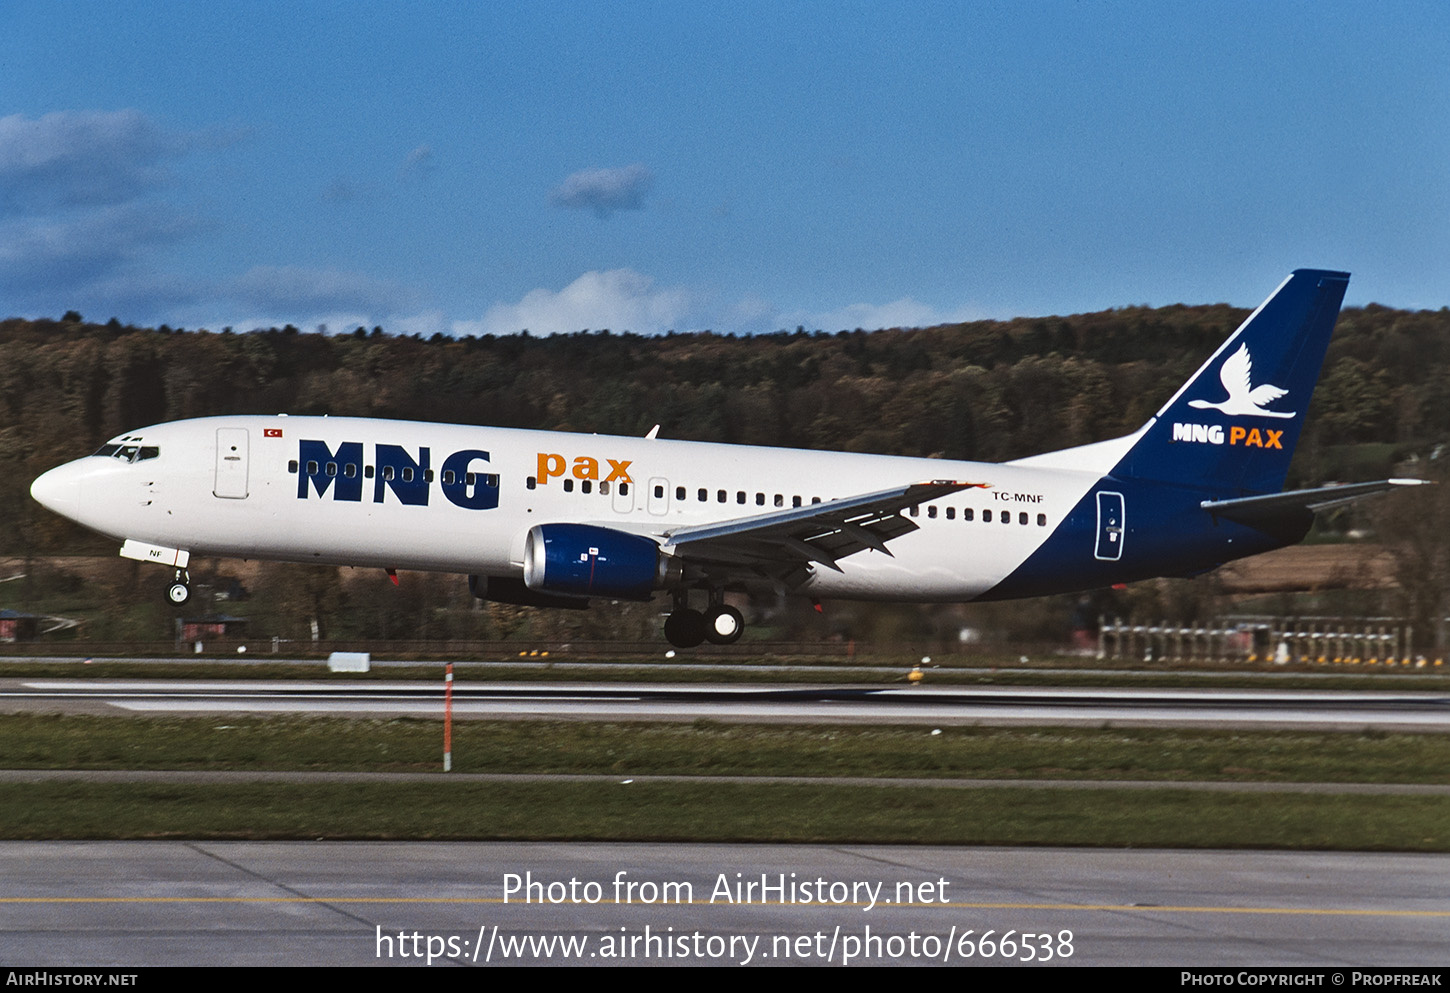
[511, 589]
[583, 560]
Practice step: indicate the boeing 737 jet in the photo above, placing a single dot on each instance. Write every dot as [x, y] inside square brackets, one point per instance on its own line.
[555, 520]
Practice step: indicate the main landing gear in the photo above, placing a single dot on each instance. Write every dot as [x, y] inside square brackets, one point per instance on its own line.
[180, 589]
[719, 623]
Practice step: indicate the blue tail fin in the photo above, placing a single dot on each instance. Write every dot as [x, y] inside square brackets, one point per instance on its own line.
[1232, 428]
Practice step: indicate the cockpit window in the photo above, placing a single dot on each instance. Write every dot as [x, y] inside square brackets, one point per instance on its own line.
[129, 453]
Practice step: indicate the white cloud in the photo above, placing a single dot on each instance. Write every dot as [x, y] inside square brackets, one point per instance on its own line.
[275, 296]
[306, 294]
[902, 313]
[81, 158]
[604, 190]
[424, 322]
[420, 162]
[81, 215]
[75, 247]
[328, 323]
[748, 315]
[620, 300]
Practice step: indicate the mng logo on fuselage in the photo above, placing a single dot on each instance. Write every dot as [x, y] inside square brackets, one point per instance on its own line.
[344, 472]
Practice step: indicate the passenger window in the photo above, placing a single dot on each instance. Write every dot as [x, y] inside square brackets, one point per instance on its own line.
[951, 513]
[740, 496]
[760, 499]
[679, 493]
[702, 495]
[931, 512]
[795, 501]
[387, 473]
[721, 496]
[1041, 520]
[292, 466]
[530, 483]
[568, 486]
[1006, 517]
[604, 487]
[968, 513]
[350, 470]
[587, 486]
[624, 489]
[332, 468]
[779, 500]
[987, 516]
[914, 511]
[311, 468]
[1022, 517]
[659, 492]
[448, 477]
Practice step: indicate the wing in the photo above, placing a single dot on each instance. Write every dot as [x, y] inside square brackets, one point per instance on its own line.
[781, 548]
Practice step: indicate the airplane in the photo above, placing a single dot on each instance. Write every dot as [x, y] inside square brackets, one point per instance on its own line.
[556, 519]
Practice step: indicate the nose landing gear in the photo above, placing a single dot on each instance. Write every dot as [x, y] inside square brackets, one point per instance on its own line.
[180, 589]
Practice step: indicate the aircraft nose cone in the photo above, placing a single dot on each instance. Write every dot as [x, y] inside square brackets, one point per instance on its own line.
[58, 490]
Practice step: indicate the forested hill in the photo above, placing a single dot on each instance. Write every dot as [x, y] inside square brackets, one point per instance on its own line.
[988, 390]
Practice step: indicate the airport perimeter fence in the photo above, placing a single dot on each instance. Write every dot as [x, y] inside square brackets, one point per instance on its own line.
[1369, 641]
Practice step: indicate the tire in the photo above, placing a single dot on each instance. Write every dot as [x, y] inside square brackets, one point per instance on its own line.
[685, 628]
[178, 593]
[724, 625]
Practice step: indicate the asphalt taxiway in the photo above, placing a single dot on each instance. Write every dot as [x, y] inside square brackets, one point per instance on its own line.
[463, 904]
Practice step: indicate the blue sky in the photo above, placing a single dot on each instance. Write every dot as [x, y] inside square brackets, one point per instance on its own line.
[488, 167]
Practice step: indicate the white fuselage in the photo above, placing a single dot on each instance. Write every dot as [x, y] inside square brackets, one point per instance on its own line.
[242, 487]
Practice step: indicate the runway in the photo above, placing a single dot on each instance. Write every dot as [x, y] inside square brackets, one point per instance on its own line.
[1317, 709]
[476, 904]
[275, 903]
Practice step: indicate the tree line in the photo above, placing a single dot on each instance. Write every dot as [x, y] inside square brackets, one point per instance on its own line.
[984, 390]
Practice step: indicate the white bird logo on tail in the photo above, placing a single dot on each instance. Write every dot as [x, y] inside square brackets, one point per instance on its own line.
[1244, 399]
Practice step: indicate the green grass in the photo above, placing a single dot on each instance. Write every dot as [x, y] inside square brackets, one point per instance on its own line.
[715, 749]
[724, 812]
[444, 807]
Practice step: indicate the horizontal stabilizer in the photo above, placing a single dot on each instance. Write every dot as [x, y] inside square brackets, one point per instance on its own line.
[1248, 510]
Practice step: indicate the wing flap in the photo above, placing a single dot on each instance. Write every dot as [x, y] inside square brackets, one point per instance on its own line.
[782, 545]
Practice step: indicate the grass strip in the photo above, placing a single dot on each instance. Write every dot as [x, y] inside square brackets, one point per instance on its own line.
[723, 813]
[29, 741]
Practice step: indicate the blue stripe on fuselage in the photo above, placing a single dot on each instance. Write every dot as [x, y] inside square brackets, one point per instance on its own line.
[1166, 533]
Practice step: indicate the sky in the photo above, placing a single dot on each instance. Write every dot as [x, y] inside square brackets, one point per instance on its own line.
[471, 168]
